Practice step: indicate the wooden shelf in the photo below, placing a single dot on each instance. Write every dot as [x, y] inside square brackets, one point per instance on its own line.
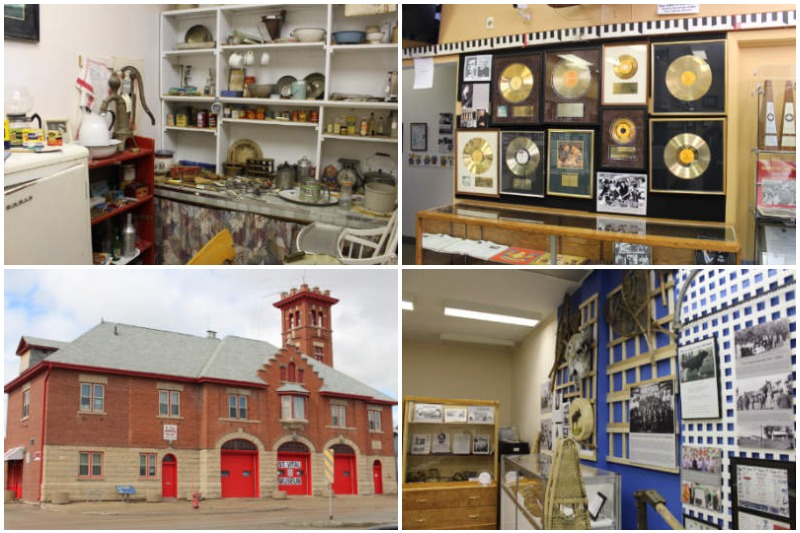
[120, 210]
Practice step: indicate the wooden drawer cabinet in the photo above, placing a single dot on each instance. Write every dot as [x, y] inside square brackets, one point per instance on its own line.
[450, 508]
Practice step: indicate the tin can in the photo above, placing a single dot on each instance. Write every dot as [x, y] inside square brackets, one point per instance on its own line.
[314, 116]
[170, 119]
[251, 114]
[181, 120]
[202, 119]
[295, 116]
[212, 120]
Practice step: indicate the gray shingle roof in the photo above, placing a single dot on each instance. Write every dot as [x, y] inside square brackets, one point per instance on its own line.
[137, 349]
[38, 341]
[292, 387]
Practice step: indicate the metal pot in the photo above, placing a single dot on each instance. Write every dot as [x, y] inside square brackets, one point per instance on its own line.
[285, 176]
[304, 169]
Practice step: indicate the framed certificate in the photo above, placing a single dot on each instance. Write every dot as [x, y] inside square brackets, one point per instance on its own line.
[477, 162]
[570, 166]
[765, 489]
[625, 68]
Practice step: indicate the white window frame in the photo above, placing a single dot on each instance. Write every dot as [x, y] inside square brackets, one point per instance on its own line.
[289, 407]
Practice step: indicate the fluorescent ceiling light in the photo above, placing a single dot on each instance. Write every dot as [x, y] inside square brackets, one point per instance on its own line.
[408, 302]
[490, 314]
[475, 339]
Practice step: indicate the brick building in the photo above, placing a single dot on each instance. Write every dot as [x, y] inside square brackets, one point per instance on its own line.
[171, 414]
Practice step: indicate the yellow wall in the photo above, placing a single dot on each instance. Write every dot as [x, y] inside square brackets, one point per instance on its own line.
[463, 371]
[462, 22]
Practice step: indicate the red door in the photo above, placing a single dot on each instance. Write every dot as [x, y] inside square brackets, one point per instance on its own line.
[377, 477]
[293, 473]
[169, 477]
[344, 474]
[239, 474]
[15, 478]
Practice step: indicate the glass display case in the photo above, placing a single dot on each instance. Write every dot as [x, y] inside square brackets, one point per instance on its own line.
[523, 482]
[449, 463]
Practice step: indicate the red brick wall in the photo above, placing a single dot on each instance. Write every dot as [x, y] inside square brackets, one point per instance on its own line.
[19, 432]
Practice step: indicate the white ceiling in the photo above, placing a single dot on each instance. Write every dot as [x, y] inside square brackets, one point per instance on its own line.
[539, 291]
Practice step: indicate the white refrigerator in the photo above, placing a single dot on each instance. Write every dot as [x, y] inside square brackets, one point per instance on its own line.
[47, 218]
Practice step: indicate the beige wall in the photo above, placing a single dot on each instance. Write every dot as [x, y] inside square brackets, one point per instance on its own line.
[531, 366]
[459, 371]
[461, 22]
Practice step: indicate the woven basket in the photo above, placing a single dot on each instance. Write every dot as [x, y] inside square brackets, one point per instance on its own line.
[565, 502]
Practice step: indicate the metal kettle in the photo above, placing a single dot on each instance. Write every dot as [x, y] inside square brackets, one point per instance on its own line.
[285, 176]
[304, 169]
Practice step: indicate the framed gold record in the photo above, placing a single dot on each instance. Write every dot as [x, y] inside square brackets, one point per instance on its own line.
[522, 163]
[687, 156]
[625, 69]
[477, 162]
[623, 138]
[689, 77]
[571, 86]
[516, 89]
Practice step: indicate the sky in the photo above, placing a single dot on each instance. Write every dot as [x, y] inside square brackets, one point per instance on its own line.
[61, 304]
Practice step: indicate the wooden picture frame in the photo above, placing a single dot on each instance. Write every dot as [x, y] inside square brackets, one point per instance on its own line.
[21, 22]
[515, 91]
[625, 72]
[477, 155]
[623, 143]
[419, 136]
[571, 86]
[763, 489]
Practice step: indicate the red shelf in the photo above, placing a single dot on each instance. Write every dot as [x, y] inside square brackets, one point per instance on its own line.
[146, 148]
[124, 208]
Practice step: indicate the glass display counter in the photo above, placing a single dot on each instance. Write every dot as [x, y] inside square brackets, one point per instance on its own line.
[560, 236]
[523, 482]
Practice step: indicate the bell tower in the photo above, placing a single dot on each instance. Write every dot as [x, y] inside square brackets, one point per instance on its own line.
[306, 321]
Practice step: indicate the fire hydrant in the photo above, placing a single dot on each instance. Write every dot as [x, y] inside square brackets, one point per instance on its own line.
[196, 500]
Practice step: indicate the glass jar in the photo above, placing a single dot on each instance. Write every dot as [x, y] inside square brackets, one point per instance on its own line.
[164, 161]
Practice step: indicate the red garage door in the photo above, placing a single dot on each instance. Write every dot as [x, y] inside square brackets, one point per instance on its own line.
[344, 470]
[239, 469]
[294, 476]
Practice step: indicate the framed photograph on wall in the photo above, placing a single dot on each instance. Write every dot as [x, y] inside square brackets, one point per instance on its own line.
[764, 489]
[515, 91]
[477, 68]
[481, 445]
[625, 68]
[701, 477]
[570, 168]
[419, 136]
[623, 139]
[421, 444]
[699, 380]
[477, 162]
[621, 193]
[456, 415]
[21, 21]
[427, 412]
[690, 522]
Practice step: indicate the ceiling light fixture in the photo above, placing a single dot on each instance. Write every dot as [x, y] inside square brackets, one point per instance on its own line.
[490, 314]
[475, 339]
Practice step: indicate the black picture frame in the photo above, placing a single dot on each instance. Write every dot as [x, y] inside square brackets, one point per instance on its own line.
[695, 361]
[700, 524]
[667, 141]
[419, 136]
[739, 464]
[678, 68]
[21, 22]
[530, 183]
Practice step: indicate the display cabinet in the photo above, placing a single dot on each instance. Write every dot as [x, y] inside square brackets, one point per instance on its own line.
[114, 197]
[523, 483]
[573, 236]
[356, 85]
[449, 463]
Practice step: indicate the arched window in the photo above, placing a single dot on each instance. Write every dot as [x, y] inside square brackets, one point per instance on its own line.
[321, 320]
[342, 449]
[291, 320]
[297, 318]
[313, 318]
[239, 445]
[291, 372]
[300, 376]
[293, 447]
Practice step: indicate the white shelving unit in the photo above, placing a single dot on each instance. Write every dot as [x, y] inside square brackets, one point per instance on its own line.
[360, 69]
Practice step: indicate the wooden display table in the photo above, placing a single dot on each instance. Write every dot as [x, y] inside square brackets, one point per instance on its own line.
[572, 233]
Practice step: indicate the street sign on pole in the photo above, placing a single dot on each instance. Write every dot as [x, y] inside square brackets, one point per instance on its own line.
[327, 458]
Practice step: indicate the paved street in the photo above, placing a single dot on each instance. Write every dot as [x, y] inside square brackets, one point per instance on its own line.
[350, 512]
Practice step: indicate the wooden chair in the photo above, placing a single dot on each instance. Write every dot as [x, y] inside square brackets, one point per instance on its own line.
[377, 246]
[219, 250]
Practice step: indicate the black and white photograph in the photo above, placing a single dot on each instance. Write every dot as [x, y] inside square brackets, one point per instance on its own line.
[621, 225]
[545, 398]
[652, 424]
[699, 390]
[753, 522]
[694, 523]
[710, 257]
[478, 68]
[445, 144]
[701, 477]
[455, 414]
[421, 444]
[481, 445]
[546, 437]
[630, 254]
[475, 105]
[764, 386]
[625, 194]
[427, 412]
[419, 136]
[445, 123]
[480, 414]
[441, 442]
[462, 443]
[778, 193]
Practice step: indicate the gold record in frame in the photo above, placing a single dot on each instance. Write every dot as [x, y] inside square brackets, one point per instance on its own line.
[572, 86]
[477, 162]
[625, 69]
[522, 165]
[522, 156]
[516, 83]
[623, 138]
[688, 78]
[623, 131]
[687, 156]
[515, 91]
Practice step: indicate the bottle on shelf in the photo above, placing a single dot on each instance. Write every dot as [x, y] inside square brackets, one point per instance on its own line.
[351, 123]
[363, 129]
[788, 135]
[381, 126]
[371, 124]
[116, 246]
[768, 122]
[129, 237]
[393, 121]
